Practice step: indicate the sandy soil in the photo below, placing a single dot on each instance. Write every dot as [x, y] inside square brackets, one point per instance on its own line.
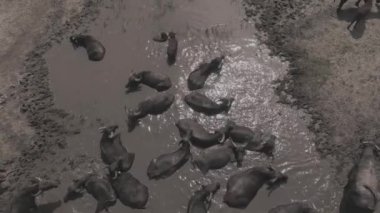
[333, 73]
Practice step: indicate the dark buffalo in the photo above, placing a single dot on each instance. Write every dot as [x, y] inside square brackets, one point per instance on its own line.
[200, 202]
[24, 201]
[172, 49]
[361, 191]
[200, 137]
[96, 185]
[251, 140]
[342, 2]
[151, 106]
[198, 77]
[201, 103]
[112, 149]
[363, 11]
[243, 186]
[293, 208]
[130, 191]
[161, 38]
[167, 164]
[218, 156]
[155, 80]
[95, 49]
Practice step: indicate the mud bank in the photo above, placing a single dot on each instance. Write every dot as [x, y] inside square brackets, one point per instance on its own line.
[333, 72]
[32, 128]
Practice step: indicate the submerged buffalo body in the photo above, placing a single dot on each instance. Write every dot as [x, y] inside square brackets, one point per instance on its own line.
[201, 200]
[151, 106]
[24, 201]
[130, 191]
[199, 136]
[361, 191]
[95, 49]
[112, 149]
[198, 77]
[217, 157]
[201, 103]
[97, 186]
[251, 140]
[243, 186]
[167, 164]
[172, 49]
[155, 80]
[293, 208]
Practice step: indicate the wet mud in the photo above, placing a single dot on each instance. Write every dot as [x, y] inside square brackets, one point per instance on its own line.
[332, 72]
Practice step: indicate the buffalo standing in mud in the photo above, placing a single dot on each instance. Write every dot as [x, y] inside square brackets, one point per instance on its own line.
[130, 191]
[361, 191]
[112, 149]
[172, 49]
[198, 77]
[95, 49]
[167, 164]
[251, 140]
[200, 202]
[243, 186]
[199, 137]
[293, 208]
[24, 201]
[157, 81]
[96, 185]
[201, 103]
[217, 157]
[151, 106]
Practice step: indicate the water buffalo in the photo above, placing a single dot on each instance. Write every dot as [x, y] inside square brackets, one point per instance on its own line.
[97, 186]
[201, 103]
[251, 140]
[24, 201]
[112, 149]
[296, 207]
[342, 2]
[361, 191]
[218, 156]
[243, 186]
[167, 164]
[200, 137]
[172, 49]
[151, 106]
[95, 49]
[200, 202]
[161, 38]
[130, 191]
[198, 77]
[362, 12]
[155, 80]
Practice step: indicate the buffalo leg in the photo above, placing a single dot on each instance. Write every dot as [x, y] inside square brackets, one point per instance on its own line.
[341, 3]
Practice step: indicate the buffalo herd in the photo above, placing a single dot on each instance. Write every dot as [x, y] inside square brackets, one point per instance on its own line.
[218, 148]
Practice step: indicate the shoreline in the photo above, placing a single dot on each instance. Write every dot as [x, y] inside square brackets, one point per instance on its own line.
[333, 73]
[36, 103]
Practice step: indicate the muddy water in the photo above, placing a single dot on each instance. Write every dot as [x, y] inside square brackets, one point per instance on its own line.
[205, 29]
